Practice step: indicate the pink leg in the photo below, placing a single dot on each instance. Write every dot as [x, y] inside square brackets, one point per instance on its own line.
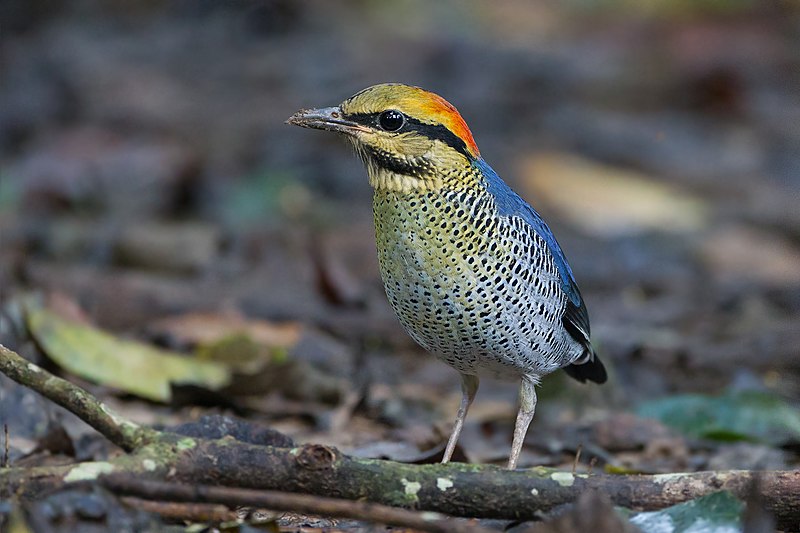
[469, 387]
[527, 406]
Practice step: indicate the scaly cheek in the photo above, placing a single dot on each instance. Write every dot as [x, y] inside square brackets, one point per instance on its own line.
[408, 145]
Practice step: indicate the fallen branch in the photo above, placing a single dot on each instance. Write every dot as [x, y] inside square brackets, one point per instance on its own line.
[282, 501]
[123, 433]
[452, 489]
[188, 511]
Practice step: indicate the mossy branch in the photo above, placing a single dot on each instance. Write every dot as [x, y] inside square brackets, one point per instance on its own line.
[453, 489]
[123, 433]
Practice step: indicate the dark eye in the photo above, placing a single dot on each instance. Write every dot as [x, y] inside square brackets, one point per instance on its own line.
[391, 120]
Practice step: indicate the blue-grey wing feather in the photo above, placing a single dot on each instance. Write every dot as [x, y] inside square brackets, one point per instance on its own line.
[509, 203]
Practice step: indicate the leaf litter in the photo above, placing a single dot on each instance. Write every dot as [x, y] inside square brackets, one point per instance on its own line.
[665, 166]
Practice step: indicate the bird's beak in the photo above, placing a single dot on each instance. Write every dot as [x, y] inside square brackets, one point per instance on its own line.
[326, 118]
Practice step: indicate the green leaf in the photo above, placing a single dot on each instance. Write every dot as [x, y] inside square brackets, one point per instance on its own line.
[9, 193]
[736, 415]
[129, 366]
[263, 196]
[719, 512]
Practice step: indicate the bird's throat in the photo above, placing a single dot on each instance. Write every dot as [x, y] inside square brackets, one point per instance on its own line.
[382, 179]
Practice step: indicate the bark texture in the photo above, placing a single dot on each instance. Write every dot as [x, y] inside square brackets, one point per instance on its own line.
[455, 489]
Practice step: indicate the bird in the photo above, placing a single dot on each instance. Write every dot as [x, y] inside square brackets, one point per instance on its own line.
[472, 271]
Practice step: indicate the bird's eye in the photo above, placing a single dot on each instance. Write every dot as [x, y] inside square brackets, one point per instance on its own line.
[391, 120]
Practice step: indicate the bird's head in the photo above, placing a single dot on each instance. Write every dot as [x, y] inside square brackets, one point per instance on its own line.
[408, 138]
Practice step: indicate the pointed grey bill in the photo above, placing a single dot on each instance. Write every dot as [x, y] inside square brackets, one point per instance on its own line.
[326, 118]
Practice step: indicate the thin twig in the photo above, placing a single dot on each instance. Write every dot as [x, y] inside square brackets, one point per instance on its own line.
[592, 463]
[193, 512]
[121, 432]
[283, 501]
[577, 458]
[6, 446]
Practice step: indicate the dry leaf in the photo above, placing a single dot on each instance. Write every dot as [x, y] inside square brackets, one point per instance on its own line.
[608, 201]
[129, 366]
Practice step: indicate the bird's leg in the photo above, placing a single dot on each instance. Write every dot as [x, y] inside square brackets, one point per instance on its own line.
[469, 387]
[527, 406]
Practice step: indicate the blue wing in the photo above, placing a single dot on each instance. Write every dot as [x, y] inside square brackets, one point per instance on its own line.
[510, 203]
[576, 317]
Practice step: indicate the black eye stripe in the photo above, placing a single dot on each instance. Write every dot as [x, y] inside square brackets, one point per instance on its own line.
[441, 133]
[432, 131]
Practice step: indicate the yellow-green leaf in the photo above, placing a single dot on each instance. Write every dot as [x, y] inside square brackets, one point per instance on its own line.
[129, 366]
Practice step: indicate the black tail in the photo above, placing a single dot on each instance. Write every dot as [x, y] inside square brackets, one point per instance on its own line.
[592, 369]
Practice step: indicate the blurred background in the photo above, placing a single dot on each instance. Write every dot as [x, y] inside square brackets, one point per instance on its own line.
[150, 188]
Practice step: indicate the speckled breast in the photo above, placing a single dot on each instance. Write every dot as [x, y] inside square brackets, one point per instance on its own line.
[478, 290]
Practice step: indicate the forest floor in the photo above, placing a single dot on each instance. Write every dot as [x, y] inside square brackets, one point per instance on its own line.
[167, 243]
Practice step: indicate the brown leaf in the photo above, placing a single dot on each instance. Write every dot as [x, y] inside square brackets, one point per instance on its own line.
[202, 328]
[745, 253]
[592, 512]
[626, 431]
